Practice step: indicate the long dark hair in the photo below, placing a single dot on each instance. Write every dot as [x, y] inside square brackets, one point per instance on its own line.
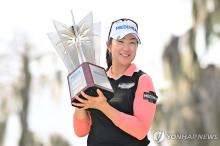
[108, 56]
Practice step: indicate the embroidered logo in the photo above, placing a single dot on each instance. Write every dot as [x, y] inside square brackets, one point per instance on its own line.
[126, 27]
[151, 96]
[126, 85]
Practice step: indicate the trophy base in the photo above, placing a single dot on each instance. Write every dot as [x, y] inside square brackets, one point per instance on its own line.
[88, 78]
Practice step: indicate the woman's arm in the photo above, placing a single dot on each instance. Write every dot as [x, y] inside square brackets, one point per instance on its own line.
[82, 122]
[138, 124]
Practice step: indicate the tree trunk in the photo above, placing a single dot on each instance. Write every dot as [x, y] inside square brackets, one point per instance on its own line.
[24, 92]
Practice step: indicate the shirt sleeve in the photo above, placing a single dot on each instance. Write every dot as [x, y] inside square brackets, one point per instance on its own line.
[139, 124]
[82, 126]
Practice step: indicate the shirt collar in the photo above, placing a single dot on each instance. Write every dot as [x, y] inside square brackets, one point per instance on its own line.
[129, 72]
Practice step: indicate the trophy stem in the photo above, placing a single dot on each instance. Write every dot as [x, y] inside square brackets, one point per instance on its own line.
[81, 56]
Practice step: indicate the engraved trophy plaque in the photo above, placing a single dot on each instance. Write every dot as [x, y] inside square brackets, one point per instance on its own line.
[78, 47]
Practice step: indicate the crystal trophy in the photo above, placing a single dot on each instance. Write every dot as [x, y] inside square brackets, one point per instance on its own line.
[78, 47]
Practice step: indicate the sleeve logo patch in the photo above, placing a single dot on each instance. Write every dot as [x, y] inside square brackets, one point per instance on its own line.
[151, 96]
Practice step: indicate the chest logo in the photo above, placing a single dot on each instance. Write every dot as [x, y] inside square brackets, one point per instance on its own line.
[126, 85]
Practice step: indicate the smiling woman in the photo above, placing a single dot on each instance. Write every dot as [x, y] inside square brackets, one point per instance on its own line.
[125, 118]
[123, 52]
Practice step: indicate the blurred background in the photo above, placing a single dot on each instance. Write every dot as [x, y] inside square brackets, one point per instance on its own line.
[180, 50]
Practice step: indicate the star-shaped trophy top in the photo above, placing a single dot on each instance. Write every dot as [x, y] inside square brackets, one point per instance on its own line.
[77, 43]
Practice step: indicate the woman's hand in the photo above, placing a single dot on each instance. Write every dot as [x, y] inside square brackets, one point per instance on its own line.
[90, 101]
[100, 103]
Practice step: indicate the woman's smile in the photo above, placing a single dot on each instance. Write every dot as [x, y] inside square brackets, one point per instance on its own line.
[125, 55]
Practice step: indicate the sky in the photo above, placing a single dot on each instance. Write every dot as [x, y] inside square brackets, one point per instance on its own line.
[157, 20]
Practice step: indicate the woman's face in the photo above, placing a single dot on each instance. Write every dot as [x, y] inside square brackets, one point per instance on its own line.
[124, 50]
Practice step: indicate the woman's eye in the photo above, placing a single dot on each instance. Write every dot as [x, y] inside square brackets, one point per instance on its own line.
[133, 43]
[120, 41]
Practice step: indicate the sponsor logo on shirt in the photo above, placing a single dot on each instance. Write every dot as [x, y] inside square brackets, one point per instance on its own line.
[126, 85]
[150, 96]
